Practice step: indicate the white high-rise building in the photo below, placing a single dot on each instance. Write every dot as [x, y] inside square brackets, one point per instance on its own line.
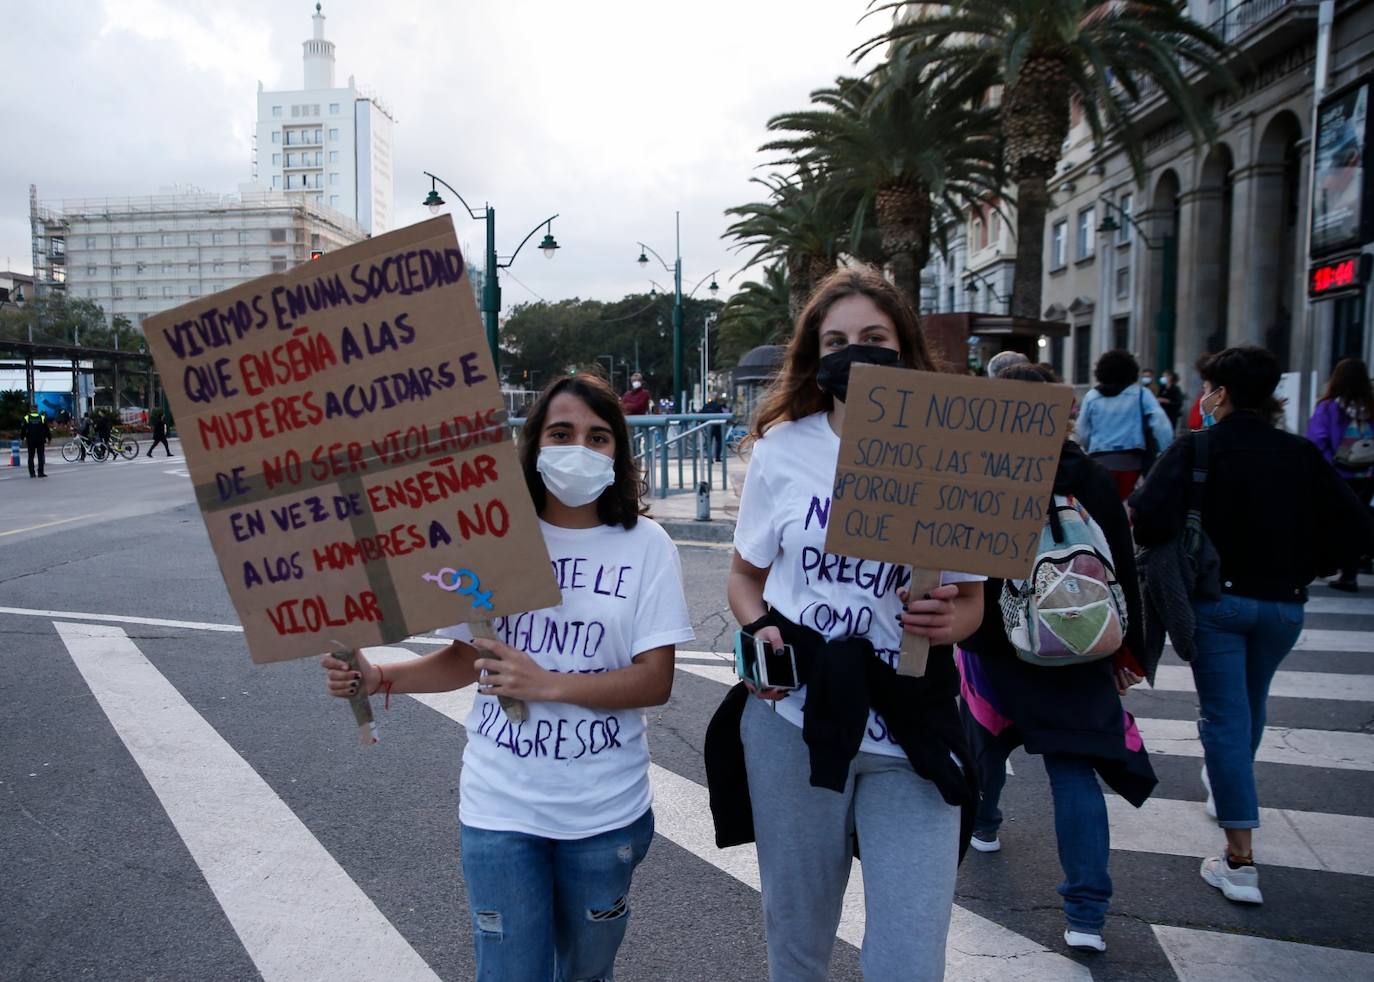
[328, 144]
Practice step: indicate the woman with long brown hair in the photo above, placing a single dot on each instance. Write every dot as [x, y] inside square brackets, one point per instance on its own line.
[1342, 427]
[554, 811]
[856, 754]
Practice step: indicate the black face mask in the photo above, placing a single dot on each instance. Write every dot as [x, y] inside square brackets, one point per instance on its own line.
[833, 375]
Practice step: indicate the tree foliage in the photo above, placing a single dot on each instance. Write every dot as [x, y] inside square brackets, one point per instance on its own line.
[540, 341]
[759, 313]
[59, 319]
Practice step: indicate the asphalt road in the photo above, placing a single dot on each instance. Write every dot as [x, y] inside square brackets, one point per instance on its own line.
[156, 788]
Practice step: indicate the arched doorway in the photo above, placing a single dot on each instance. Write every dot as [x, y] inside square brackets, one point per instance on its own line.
[1157, 335]
[1275, 240]
[1212, 254]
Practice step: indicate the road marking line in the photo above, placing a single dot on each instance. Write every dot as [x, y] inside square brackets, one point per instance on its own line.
[1169, 678]
[1340, 605]
[1318, 639]
[1296, 839]
[1340, 749]
[60, 521]
[978, 950]
[71, 615]
[297, 912]
[1211, 956]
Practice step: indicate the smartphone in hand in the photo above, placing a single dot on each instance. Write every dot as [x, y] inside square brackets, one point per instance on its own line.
[757, 663]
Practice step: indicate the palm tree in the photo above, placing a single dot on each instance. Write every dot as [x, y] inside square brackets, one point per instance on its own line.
[804, 224]
[909, 141]
[760, 313]
[1048, 55]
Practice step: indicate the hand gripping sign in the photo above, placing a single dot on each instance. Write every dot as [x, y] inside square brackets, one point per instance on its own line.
[944, 472]
[346, 436]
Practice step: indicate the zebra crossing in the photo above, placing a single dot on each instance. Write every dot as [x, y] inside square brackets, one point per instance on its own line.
[300, 909]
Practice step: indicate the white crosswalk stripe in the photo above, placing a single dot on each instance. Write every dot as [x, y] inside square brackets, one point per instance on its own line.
[297, 912]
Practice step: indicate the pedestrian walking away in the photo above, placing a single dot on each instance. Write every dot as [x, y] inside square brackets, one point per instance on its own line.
[37, 435]
[717, 405]
[1120, 423]
[857, 757]
[1171, 398]
[1342, 427]
[159, 433]
[1255, 476]
[1069, 714]
[555, 812]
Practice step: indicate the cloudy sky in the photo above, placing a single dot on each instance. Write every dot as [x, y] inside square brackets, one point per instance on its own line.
[610, 112]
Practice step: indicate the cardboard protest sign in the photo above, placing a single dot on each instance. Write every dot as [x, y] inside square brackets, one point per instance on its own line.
[345, 432]
[945, 472]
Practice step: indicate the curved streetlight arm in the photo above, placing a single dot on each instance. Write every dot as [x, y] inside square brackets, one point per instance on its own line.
[660, 259]
[546, 222]
[703, 280]
[984, 280]
[452, 190]
[1130, 218]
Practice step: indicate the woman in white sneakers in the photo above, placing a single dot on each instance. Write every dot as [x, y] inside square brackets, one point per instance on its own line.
[858, 758]
[555, 811]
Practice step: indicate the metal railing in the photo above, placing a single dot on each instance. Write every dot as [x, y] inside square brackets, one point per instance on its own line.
[656, 442]
[1247, 14]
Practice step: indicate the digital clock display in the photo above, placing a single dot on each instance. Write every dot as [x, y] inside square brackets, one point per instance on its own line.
[1338, 276]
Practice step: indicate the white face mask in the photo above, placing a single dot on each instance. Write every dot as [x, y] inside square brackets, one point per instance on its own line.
[636, 384]
[575, 475]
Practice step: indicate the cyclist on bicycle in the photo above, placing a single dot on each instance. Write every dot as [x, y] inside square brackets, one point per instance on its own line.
[84, 431]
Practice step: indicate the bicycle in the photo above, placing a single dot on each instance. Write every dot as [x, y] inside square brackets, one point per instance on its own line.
[120, 446]
[72, 449]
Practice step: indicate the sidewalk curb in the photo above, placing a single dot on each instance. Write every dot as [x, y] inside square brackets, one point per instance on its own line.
[680, 530]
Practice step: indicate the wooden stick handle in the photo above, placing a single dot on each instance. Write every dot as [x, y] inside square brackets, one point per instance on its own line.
[362, 708]
[516, 711]
[916, 649]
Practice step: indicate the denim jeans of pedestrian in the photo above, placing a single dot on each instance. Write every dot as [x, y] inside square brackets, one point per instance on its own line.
[1080, 821]
[550, 910]
[1240, 643]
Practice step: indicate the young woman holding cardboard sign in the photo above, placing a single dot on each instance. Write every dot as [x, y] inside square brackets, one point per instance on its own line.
[859, 757]
[555, 810]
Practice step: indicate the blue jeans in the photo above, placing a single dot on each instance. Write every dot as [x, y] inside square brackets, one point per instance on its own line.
[550, 910]
[1080, 822]
[1240, 643]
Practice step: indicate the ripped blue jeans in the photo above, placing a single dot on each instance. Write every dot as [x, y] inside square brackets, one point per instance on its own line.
[550, 909]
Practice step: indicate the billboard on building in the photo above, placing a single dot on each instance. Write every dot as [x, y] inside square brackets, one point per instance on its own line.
[1342, 194]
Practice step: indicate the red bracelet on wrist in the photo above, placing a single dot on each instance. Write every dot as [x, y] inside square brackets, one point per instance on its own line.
[382, 683]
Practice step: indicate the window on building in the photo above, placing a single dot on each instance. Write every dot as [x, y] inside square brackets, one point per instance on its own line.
[276, 160]
[217, 268]
[333, 156]
[166, 239]
[116, 269]
[243, 265]
[90, 291]
[166, 291]
[319, 157]
[192, 267]
[92, 270]
[1082, 353]
[90, 242]
[333, 109]
[1123, 282]
[276, 111]
[142, 318]
[276, 180]
[166, 269]
[117, 292]
[193, 238]
[1121, 333]
[278, 235]
[1087, 232]
[333, 134]
[333, 177]
[279, 265]
[1058, 245]
[139, 268]
[979, 236]
[1123, 234]
[295, 112]
[114, 242]
[243, 238]
[143, 293]
[334, 200]
[217, 238]
[276, 136]
[140, 241]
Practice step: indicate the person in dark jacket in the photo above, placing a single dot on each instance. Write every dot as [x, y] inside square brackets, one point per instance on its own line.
[36, 435]
[1071, 715]
[159, 433]
[1278, 515]
[1171, 397]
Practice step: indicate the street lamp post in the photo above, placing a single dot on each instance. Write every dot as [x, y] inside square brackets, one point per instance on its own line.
[676, 270]
[1166, 316]
[491, 287]
[972, 287]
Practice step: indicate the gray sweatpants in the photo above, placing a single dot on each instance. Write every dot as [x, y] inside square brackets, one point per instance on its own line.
[909, 840]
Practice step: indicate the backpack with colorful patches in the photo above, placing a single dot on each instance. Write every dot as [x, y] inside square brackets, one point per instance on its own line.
[1070, 610]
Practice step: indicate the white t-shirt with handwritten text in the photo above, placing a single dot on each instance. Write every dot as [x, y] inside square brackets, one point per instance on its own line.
[783, 512]
[569, 772]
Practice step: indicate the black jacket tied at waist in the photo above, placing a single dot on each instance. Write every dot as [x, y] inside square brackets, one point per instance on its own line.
[844, 679]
